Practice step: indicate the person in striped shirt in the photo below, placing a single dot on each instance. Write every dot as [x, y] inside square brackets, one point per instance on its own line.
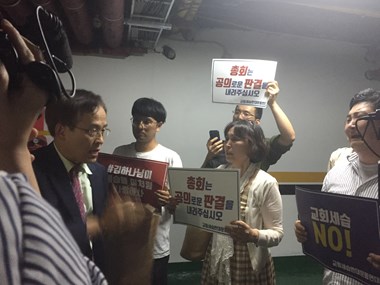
[35, 245]
[358, 174]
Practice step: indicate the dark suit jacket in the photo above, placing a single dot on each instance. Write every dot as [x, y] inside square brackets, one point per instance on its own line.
[55, 186]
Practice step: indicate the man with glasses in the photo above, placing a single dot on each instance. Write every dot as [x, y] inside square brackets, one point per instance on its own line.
[279, 144]
[357, 174]
[148, 116]
[67, 173]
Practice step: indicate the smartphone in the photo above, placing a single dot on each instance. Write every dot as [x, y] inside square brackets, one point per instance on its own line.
[214, 134]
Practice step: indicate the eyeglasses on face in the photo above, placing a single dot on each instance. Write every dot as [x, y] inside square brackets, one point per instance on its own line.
[95, 132]
[245, 114]
[146, 121]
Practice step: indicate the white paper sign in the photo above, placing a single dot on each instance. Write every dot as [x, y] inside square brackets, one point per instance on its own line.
[207, 198]
[241, 81]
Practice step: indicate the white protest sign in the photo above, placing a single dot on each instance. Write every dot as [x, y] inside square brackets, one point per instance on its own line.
[241, 81]
[207, 198]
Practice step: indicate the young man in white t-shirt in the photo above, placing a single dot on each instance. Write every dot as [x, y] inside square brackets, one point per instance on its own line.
[148, 115]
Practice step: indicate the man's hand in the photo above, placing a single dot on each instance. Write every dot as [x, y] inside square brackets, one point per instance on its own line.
[272, 92]
[93, 227]
[19, 107]
[163, 196]
[374, 259]
[129, 230]
[124, 216]
[166, 200]
[300, 232]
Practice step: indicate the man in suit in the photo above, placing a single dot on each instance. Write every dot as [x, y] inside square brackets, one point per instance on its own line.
[78, 126]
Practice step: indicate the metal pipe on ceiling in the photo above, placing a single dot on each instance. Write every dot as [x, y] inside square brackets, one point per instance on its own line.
[80, 21]
[18, 11]
[112, 18]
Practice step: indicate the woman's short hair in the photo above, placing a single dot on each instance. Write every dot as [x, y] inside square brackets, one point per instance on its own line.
[255, 136]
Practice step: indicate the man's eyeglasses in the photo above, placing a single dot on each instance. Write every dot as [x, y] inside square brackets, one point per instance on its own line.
[245, 114]
[146, 121]
[95, 132]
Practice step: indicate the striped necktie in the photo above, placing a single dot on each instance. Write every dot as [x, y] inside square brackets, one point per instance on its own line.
[74, 172]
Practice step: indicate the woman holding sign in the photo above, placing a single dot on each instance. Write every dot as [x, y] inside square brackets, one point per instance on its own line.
[243, 257]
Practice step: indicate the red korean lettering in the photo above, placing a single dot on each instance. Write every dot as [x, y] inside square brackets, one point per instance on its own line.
[243, 70]
[257, 83]
[219, 82]
[234, 70]
[190, 182]
[248, 83]
[186, 198]
[200, 183]
[227, 82]
[178, 196]
[219, 202]
[208, 201]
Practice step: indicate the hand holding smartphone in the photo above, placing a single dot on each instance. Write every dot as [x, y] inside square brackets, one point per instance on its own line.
[214, 134]
[214, 144]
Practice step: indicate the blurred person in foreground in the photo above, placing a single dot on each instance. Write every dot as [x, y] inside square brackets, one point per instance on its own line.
[35, 247]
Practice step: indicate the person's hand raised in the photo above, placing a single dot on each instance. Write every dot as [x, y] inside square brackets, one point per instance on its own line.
[19, 107]
[272, 92]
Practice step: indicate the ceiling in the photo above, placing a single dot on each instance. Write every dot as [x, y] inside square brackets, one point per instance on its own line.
[356, 21]
[120, 28]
